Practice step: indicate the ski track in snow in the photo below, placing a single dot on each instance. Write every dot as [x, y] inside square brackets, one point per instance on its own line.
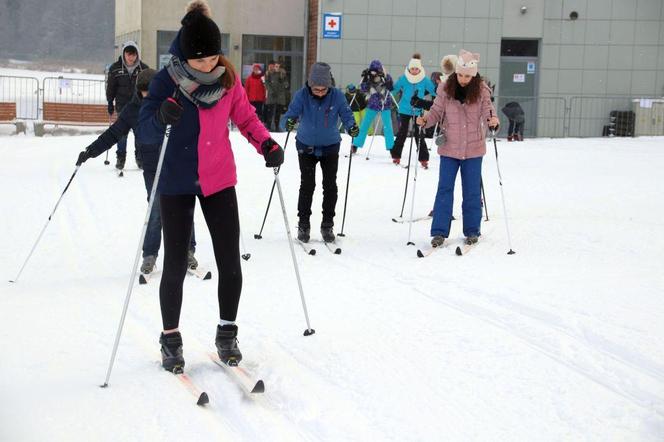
[560, 341]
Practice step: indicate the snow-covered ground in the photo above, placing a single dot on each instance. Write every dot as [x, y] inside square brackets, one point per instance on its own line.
[561, 341]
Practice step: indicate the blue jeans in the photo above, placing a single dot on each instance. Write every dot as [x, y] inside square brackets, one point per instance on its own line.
[368, 120]
[152, 241]
[471, 178]
[122, 146]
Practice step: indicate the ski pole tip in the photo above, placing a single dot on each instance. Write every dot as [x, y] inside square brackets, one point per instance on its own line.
[246, 256]
[257, 236]
[309, 332]
[104, 385]
[203, 399]
[511, 252]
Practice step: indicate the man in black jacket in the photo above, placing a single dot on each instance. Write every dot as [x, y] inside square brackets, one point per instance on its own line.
[128, 120]
[120, 88]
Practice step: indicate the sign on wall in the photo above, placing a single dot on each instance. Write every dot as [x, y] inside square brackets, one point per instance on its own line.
[530, 68]
[519, 78]
[332, 25]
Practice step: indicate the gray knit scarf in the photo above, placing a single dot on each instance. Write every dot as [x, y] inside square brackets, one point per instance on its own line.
[201, 88]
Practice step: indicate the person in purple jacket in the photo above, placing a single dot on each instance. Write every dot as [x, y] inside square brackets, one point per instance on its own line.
[197, 93]
[377, 85]
[464, 110]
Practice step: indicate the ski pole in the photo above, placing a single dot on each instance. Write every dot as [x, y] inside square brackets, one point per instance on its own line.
[375, 130]
[405, 191]
[45, 225]
[349, 105]
[502, 194]
[343, 219]
[132, 278]
[412, 204]
[486, 210]
[106, 162]
[245, 255]
[309, 331]
[259, 235]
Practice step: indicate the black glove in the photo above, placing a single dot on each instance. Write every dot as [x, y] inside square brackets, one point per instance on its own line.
[354, 131]
[419, 103]
[290, 124]
[273, 153]
[169, 112]
[111, 108]
[83, 157]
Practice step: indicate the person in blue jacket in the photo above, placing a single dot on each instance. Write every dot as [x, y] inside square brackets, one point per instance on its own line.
[318, 106]
[413, 83]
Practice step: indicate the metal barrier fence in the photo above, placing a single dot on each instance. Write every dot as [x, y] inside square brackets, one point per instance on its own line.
[588, 116]
[24, 91]
[544, 116]
[73, 90]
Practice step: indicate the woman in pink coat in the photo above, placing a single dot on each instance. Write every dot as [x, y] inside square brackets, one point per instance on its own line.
[197, 93]
[464, 111]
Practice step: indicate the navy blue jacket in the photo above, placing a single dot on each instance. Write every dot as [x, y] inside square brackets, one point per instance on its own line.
[179, 173]
[319, 117]
[127, 120]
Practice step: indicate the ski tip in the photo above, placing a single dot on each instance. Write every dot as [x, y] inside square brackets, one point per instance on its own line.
[259, 387]
[12, 281]
[203, 399]
[246, 256]
[257, 236]
[142, 280]
[207, 276]
[420, 254]
[309, 332]
[410, 243]
[458, 251]
[337, 252]
[394, 220]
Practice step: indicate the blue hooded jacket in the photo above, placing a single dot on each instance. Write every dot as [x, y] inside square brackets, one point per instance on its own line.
[319, 117]
[408, 89]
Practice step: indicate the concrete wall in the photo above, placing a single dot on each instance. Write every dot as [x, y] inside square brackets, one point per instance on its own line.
[615, 47]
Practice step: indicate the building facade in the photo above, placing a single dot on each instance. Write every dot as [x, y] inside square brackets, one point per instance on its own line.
[568, 62]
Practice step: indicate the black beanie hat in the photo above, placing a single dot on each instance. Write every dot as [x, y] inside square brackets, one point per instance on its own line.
[144, 78]
[200, 36]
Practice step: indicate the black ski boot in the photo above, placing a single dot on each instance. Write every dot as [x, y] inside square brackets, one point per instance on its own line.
[327, 233]
[437, 241]
[226, 342]
[171, 352]
[303, 232]
[471, 240]
[120, 163]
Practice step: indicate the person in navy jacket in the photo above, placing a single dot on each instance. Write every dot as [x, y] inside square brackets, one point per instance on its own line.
[197, 94]
[318, 107]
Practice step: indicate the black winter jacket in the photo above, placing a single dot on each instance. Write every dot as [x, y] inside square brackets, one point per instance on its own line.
[120, 85]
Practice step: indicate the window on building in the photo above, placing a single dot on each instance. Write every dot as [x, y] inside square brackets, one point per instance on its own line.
[287, 51]
[519, 48]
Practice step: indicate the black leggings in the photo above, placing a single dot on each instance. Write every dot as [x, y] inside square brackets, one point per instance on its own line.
[402, 134]
[221, 215]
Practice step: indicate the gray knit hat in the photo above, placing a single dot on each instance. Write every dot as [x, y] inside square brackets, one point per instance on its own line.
[320, 75]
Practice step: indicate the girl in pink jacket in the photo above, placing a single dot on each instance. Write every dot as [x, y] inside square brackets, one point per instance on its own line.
[464, 111]
[197, 94]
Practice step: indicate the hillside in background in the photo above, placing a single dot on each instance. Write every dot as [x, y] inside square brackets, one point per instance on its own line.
[79, 31]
